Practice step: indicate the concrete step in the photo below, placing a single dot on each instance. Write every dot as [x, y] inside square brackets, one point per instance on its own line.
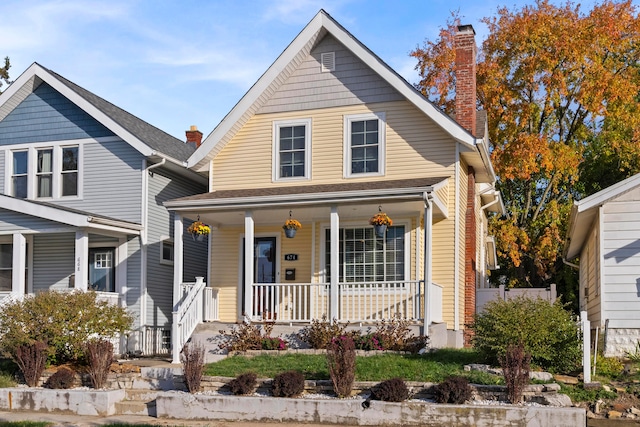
[136, 407]
[141, 395]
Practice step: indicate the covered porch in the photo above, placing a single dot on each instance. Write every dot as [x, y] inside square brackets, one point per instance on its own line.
[290, 280]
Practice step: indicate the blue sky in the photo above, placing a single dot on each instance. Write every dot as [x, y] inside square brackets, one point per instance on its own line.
[181, 63]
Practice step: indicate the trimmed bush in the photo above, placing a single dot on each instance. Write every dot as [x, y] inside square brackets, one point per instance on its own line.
[248, 336]
[341, 361]
[453, 390]
[192, 358]
[549, 333]
[393, 390]
[288, 384]
[99, 354]
[64, 378]
[244, 383]
[63, 320]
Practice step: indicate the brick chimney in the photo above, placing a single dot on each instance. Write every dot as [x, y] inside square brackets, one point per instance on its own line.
[194, 136]
[466, 50]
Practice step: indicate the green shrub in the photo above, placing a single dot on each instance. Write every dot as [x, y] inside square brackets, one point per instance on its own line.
[392, 390]
[63, 320]
[548, 332]
[610, 367]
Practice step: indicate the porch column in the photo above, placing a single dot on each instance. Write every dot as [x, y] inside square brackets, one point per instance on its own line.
[335, 263]
[82, 260]
[249, 238]
[178, 258]
[18, 282]
[426, 253]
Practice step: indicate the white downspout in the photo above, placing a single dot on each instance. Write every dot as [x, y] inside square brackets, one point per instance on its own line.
[428, 219]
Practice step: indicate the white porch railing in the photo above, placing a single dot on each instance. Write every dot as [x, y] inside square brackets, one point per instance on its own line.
[111, 298]
[188, 315]
[290, 302]
[357, 302]
[211, 305]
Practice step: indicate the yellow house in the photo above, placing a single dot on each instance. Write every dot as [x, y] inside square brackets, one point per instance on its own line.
[330, 136]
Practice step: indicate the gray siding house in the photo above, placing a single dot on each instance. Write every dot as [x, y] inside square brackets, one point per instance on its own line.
[604, 238]
[82, 187]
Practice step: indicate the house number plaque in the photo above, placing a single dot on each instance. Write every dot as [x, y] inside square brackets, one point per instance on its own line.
[290, 257]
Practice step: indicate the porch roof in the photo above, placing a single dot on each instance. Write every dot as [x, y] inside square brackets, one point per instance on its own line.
[67, 216]
[350, 192]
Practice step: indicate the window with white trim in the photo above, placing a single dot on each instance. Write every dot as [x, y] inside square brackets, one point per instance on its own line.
[364, 257]
[364, 144]
[166, 251]
[46, 171]
[292, 149]
[6, 267]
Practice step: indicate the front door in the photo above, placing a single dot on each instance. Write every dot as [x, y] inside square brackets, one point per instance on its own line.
[264, 271]
[102, 269]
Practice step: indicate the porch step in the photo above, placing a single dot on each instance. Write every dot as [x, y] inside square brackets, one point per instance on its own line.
[138, 402]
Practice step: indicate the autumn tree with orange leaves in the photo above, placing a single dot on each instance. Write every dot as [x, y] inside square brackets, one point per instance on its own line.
[561, 88]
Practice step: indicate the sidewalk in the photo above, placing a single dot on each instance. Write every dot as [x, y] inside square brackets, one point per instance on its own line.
[69, 420]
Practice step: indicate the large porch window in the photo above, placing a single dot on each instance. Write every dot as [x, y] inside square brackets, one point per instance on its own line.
[364, 257]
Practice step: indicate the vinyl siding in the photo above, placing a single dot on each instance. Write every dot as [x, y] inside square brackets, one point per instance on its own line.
[461, 217]
[16, 221]
[112, 181]
[621, 257]
[352, 82]
[415, 146]
[46, 115]
[2, 171]
[53, 261]
[590, 277]
[164, 186]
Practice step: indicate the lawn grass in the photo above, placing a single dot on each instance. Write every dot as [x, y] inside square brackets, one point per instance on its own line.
[25, 424]
[430, 367]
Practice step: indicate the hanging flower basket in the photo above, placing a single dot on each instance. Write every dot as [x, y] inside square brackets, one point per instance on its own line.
[198, 230]
[380, 222]
[290, 227]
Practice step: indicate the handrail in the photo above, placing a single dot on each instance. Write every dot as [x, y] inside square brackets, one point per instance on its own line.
[187, 316]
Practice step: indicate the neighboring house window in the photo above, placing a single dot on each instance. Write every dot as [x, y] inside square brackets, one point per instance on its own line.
[19, 174]
[166, 251]
[69, 171]
[44, 173]
[6, 265]
[292, 149]
[364, 144]
[367, 258]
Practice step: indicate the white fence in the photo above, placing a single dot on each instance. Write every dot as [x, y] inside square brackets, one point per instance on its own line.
[483, 296]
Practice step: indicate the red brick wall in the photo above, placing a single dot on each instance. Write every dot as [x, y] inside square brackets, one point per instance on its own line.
[470, 250]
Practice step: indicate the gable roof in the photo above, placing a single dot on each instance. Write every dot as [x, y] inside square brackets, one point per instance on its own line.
[584, 212]
[321, 25]
[147, 139]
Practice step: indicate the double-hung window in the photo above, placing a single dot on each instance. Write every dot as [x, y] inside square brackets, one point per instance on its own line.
[292, 150]
[366, 258]
[43, 172]
[6, 267]
[20, 174]
[364, 144]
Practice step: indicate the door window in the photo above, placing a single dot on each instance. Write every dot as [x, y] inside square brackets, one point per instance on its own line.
[102, 269]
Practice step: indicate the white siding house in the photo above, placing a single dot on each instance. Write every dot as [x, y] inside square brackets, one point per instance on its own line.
[604, 238]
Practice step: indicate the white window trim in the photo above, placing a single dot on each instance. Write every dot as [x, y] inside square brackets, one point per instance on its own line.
[277, 124]
[352, 224]
[32, 168]
[167, 239]
[382, 126]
